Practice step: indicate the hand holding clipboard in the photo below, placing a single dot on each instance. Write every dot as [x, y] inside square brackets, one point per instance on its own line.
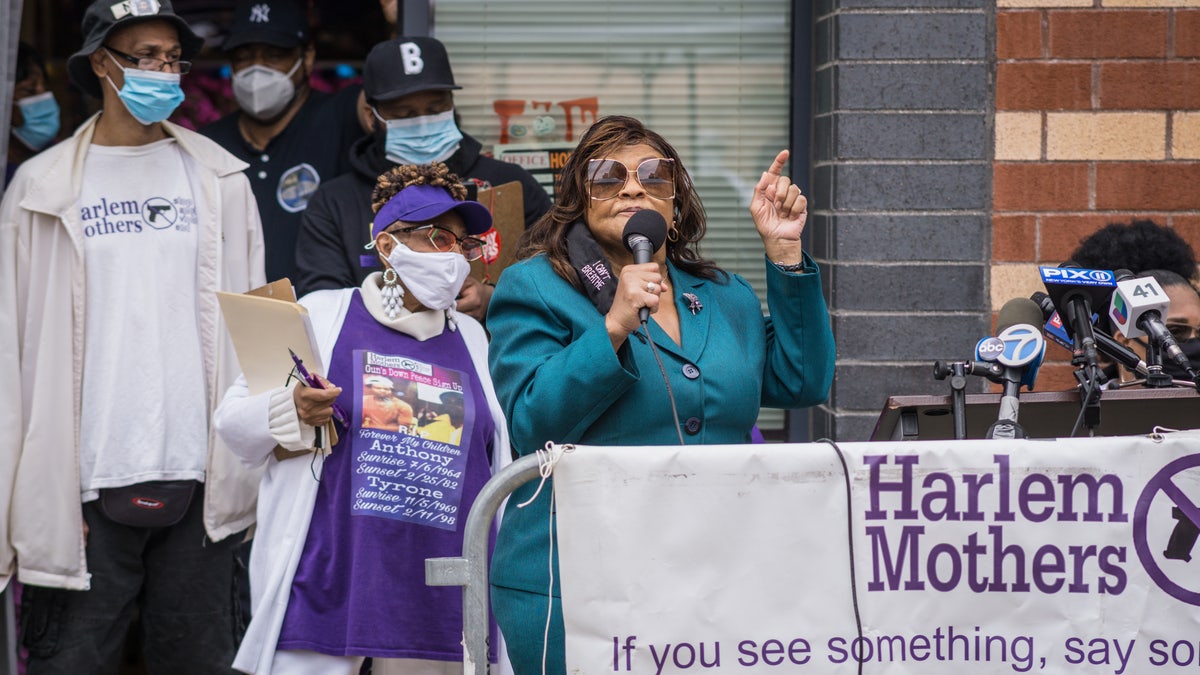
[273, 336]
[316, 383]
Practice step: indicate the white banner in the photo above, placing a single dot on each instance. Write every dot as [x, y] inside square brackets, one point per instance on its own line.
[1067, 556]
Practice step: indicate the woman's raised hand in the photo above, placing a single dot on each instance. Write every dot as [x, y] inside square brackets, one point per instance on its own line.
[780, 212]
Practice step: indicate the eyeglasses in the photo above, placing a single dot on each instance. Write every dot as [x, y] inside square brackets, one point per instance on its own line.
[606, 178]
[444, 241]
[1182, 331]
[151, 63]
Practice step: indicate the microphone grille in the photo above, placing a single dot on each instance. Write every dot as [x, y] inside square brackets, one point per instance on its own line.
[1045, 303]
[1018, 311]
[647, 223]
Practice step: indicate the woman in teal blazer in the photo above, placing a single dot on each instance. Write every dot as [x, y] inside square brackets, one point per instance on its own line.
[571, 365]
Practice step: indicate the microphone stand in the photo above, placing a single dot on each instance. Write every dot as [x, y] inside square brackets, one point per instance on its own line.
[1090, 386]
[1155, 377]
[1088, 374]
[957, 371]
[1006, 426]
[958, 399]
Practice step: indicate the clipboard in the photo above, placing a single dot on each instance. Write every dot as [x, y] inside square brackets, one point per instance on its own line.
[280, 289]
[507, 205]
[263, 324]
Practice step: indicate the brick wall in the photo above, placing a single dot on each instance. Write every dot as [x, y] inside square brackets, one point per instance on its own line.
[1097, 120]
[900, 197]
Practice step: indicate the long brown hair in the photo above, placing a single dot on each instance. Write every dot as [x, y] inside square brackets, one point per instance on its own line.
[549, 234]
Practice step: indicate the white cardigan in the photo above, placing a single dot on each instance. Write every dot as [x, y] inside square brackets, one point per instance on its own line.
[288, 490]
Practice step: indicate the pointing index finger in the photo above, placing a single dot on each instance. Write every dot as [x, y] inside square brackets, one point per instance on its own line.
[777, 165]
[775, 171]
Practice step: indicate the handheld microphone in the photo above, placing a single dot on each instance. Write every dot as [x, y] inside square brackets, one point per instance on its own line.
[644, 233]
[1075, 292]
[1138, 307]
[1114, 350]
[1019, 322]
[1011, 360]
[1136, 301]
[993, 355]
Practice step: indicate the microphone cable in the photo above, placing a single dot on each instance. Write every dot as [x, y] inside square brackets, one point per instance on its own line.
[1089, 393]
[849, 544]
[549, 587]
[666, 380]
[1079, 417]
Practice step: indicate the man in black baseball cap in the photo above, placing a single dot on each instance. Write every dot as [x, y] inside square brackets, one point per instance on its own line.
[291, 136]
[102, 18]
[127, 502]
[397, 68]
[409, 87]
[271, 56]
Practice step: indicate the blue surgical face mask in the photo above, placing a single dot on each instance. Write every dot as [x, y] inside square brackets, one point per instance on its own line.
[150, 96]
[41, 121]
[421, 140]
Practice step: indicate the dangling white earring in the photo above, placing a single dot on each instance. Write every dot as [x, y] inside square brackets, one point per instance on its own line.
[391, 293]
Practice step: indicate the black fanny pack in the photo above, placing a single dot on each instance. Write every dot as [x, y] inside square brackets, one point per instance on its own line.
[158, 503]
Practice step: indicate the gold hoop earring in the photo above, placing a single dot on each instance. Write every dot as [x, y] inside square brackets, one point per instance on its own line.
[673, 232]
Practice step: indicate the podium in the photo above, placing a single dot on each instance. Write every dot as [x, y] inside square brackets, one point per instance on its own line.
[1123, 412]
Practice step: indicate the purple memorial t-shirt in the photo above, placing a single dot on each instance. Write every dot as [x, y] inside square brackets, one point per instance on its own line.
[395, 490]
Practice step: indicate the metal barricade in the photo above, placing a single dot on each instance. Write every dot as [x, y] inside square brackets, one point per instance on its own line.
[470, 570]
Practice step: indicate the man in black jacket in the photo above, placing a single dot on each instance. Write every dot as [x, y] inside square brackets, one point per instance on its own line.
[408, 84]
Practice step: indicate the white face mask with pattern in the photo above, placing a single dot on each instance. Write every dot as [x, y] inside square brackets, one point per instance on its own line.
[434, 278]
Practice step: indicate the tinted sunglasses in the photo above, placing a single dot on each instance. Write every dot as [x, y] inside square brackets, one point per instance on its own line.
[607, 177]
[1182, 332]
[444, 241]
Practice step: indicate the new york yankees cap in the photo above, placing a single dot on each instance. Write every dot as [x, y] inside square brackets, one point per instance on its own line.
[104, 16]
[280, 23]
[406, 65]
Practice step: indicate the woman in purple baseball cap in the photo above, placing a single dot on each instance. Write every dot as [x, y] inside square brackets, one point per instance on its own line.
[345, 522]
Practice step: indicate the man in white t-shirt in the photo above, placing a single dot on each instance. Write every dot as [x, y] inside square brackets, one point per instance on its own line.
[118, 497]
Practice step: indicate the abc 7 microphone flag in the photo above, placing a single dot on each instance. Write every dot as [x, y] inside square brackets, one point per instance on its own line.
[1015, 347]
[1023, 346]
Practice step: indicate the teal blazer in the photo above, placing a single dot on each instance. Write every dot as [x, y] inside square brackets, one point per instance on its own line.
[558, 378]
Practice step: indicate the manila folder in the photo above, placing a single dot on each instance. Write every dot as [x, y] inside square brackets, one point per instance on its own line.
[263, 329]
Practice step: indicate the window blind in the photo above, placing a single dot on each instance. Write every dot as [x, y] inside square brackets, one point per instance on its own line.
[711, 76]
